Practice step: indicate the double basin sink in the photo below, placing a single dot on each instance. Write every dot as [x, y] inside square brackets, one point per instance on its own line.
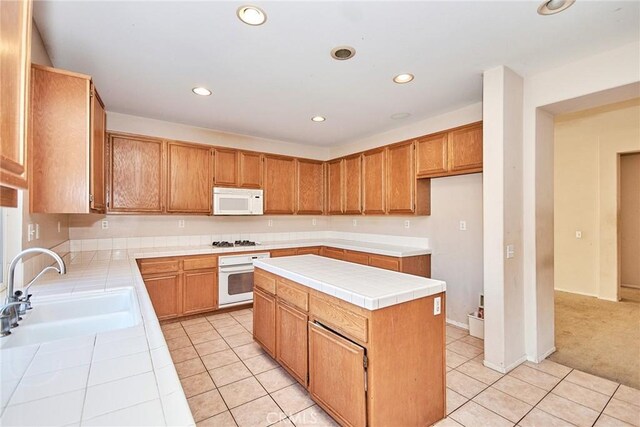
[58, 317]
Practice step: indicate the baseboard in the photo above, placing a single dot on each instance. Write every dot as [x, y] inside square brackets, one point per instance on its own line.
[458, 324]
[542, 356]
[586, 294]
[502, 369]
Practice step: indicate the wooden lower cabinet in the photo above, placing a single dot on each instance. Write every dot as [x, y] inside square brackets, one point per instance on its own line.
[332, 253]
[180, 286]
[356, 257]
[165, 292]
[291, 340]
[283, 252]
[264, 320]
[419, 265]
[337, 375]
[199, 295]
[364, 367]
[314, 250]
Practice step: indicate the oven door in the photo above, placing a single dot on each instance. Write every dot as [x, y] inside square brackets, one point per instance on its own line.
[232, 204]
[235, 284]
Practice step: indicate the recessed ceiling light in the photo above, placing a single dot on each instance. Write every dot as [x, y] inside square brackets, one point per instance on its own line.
[399, 116]
[251, 15]
[202, 91]
[342, 53]
[551, 7]
[403, 78]
[318, 119]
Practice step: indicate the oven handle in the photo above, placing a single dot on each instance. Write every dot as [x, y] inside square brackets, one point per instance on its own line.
[247, 268]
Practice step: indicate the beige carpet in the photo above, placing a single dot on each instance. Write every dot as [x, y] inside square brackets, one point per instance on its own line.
[599, 337]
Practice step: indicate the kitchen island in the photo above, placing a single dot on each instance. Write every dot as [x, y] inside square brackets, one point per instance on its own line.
[368, 343]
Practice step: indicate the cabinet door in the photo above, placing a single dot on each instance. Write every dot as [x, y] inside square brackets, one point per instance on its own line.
[226, 167]
[337, 375]
[386, 262]
[279, 185]
[373, 173]
[135, 174]
[250, 170]
[60, 141]
[189, 178]
[356, 257]
[465, 149]
[97, 197]
[401, 178]
[335, 187]
[431, 156]
[310, 176]
[14, 68]
[353, 184]
[200, 291]
[264, 320]
[291, 341]
[165, 294]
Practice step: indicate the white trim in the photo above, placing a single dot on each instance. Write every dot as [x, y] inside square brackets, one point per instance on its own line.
[458, 324]
[586, 294]
[543, 356]
[509, 368]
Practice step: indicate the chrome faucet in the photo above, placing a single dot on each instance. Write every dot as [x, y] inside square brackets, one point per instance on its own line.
[5, 319]
[19, 302]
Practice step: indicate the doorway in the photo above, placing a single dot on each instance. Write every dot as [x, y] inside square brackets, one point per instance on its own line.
[629, 227]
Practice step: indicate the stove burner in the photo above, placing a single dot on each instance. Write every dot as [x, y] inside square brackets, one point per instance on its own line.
[222, 244]
[237, 243]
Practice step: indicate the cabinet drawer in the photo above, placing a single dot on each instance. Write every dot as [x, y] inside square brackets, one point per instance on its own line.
[292, 295]
[347, 322]
[386, 262]
[333, 253]
[356, 257]
[200, 263]
[314, 250]
[265, 281]
[159, 266]
[283, 252]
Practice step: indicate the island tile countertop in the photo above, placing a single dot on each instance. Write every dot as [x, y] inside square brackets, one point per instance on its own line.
[368, 287]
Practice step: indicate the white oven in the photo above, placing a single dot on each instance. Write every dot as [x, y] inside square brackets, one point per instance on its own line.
[237, 201]
[235, 278]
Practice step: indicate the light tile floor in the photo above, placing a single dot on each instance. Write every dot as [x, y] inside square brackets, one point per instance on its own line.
[230, 381]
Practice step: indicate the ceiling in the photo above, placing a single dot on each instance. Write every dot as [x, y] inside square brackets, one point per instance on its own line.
[268, 81]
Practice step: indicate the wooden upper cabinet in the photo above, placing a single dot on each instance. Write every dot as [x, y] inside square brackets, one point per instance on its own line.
[310, 187]
[279, 185]
[15, 33]
[431, 155]
[335, 187]
[136, 174]
[401, 178]
[465, 149]
[250, 170]
[97, 193]
[189, 178]
[373, 177]
[353, 184]
[66, 142]
[226, 167]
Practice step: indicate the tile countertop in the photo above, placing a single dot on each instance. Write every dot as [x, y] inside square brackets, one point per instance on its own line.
[375, 248]
[120, 377]
[364, 286]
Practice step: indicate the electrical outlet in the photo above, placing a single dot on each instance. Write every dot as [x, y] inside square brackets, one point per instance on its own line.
[407, 223]
[463, 225]
[314, 221]
[181, 223]
[437, 306]
[511, 252]
[105, 224]
[578, 234]
[355, 222]
[270, 223]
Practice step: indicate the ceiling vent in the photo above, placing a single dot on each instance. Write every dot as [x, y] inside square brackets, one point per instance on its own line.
[342, 53]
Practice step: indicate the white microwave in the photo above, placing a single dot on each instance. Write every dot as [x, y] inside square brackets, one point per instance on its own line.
[237, 201]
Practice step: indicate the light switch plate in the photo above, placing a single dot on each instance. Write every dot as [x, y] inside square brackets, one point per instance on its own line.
[181, 223]
[463, 225]
[314, 221]
[578, 234]
[37, 231]
[270, 223]
[355, 222]
[510, 251]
